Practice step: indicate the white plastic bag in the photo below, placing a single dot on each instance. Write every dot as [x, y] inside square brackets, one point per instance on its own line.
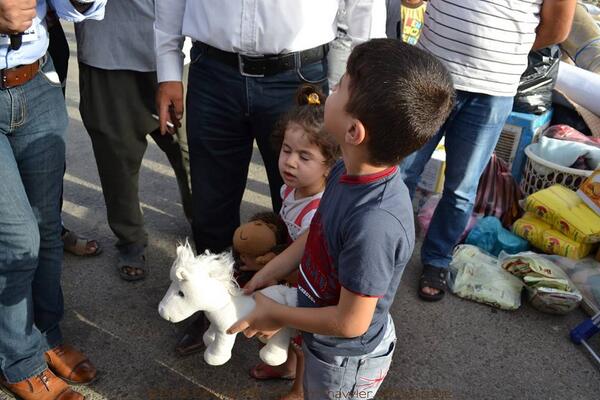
[477, 276]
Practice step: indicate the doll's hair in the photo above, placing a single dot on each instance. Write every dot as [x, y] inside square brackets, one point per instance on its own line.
[275, 220]
[309, 114]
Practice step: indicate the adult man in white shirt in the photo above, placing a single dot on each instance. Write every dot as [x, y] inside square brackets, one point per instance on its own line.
[248, 59]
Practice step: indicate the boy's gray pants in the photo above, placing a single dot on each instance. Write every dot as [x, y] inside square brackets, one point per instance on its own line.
[355, 377]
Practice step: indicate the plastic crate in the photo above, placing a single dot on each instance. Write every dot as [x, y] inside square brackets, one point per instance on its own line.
[519, 131]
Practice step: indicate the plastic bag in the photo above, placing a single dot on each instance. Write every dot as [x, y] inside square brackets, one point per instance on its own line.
[534, 95]
[585, 275]
[557, 296]
[477, 276]
[489, 235]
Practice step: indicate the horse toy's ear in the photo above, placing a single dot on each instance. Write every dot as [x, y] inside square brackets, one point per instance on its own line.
[181, 274]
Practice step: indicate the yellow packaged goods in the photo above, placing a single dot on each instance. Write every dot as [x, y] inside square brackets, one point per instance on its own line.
[590, 191]
[542, 236]
[557, 243]
[565, 212]
[531, 229]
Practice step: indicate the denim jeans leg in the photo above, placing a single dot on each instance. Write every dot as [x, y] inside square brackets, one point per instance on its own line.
[220, 146]
[270, 98]
[32, 155]
[471, 135]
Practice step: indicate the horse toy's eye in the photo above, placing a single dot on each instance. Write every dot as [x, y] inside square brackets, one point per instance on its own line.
[180, 293]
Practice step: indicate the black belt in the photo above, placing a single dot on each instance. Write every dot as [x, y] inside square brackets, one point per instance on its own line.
[260, 66]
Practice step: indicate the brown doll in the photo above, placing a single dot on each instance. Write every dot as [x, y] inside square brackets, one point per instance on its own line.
[257, 242]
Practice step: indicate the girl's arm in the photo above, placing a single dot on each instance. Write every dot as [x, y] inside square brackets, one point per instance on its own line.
[279, 267]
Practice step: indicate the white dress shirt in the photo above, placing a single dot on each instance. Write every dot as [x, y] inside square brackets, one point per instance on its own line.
[257, 27]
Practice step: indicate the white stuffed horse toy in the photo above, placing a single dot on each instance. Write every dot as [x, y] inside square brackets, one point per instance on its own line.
[205, 283]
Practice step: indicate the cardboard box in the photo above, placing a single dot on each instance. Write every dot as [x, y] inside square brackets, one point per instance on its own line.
[519, 131]
[432, 178]
[590, 191]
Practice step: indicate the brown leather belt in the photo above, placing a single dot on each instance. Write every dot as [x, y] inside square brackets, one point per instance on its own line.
[17, 76]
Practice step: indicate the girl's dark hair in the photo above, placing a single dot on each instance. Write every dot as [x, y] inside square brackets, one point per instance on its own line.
[309, 114]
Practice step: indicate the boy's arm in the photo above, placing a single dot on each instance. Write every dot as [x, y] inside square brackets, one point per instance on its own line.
[555, 22]
[279, 267]
[350, 318]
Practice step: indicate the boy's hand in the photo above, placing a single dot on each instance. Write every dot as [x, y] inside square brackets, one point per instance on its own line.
[259, 322]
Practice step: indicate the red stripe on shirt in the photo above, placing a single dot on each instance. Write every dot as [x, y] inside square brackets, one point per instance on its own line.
[370, 178]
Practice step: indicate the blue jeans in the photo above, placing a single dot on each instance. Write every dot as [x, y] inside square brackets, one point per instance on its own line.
[33, 122]
[471, 133]
[357, 377]
[226, 112]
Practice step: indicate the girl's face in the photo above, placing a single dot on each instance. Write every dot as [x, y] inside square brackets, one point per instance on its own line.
[301, 164]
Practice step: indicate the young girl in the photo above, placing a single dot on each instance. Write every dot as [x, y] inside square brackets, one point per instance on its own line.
[306, 154]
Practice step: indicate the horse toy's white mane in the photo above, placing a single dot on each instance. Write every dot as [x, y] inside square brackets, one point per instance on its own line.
[206, 283]
[218, 266]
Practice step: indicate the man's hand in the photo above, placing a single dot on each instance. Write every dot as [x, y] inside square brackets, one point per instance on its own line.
[169, 104]
[259, 322]
[16, 16]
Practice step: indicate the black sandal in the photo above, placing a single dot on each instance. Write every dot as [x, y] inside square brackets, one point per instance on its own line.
[434, 278]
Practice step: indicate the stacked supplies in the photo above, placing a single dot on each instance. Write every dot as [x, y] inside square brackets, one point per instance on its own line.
[549, 288]
[559, 222]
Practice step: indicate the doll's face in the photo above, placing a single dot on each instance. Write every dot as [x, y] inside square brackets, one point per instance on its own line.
[254, 238]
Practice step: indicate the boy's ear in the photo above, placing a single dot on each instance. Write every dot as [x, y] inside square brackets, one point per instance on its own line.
[356, 134]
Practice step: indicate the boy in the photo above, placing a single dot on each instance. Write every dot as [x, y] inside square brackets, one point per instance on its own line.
[405, 19]
[392, 99]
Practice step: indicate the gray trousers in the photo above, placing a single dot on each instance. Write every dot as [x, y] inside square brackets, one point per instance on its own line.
[328, 377]
[116, 109]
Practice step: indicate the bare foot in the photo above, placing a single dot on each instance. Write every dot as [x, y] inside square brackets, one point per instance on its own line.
[263, 371]
[430, 291]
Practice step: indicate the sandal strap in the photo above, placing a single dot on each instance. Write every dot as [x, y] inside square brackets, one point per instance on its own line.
[435, 278]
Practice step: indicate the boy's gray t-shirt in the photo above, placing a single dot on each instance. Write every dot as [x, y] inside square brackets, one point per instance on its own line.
[361, 238]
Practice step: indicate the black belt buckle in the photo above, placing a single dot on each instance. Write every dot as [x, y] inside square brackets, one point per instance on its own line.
[242, 66]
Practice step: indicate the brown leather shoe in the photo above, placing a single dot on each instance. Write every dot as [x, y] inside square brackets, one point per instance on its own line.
[45, 386]
[71, 365]
[191, 342]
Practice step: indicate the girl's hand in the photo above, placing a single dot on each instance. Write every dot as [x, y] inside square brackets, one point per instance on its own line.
[257, 282]
[259, 322]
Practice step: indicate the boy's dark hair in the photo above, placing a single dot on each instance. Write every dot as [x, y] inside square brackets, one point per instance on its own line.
[401, 94]
[309, 114]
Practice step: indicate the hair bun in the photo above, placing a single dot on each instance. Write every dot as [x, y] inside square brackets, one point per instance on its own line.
[309, 95]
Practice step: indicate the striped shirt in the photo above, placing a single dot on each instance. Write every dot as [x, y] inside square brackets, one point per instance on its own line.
[483, 43]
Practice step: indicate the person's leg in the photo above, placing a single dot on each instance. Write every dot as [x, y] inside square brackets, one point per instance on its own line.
[270, 98]
[118, 135]
[32, 152]
[21, 343]
[170, 146]
[413, 165]
[220, 147]
[471, 136]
